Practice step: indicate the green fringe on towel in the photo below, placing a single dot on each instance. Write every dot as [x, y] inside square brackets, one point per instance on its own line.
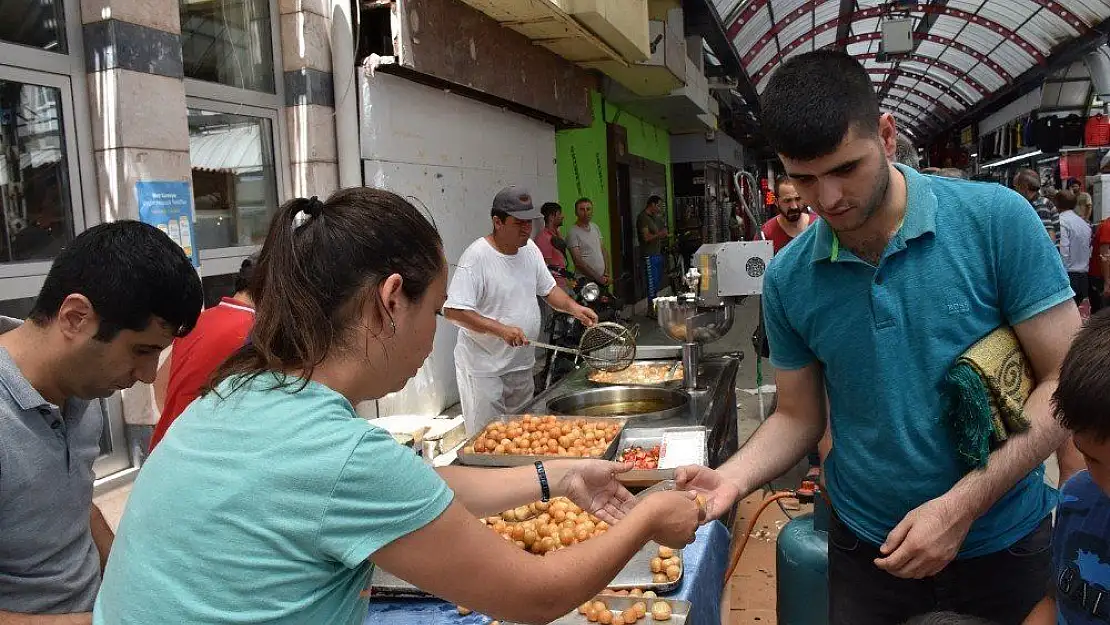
[987, 389]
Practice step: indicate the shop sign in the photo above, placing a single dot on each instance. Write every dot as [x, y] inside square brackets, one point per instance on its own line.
[967, 136]
[168, 206]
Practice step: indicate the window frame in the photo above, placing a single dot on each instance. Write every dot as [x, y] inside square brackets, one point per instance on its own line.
[66, 72]
[219, 98]
[281, 176]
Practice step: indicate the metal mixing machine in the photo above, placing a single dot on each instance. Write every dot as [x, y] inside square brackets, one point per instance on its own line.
[723, 274]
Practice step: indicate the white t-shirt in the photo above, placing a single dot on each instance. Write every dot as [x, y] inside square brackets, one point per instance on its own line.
[588, 243]
[504, 288]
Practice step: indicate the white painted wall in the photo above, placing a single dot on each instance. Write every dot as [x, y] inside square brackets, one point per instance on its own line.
[453, 154]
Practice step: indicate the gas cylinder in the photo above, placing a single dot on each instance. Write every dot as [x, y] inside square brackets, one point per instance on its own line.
[803, 568]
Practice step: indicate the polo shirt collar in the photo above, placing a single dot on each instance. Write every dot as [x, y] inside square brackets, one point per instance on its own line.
[11, 378]
[920, 218]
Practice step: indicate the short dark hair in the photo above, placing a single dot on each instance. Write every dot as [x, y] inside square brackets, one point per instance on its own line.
[1080, 401]
[779, 181]
[655, 199]
[131, 272]
[1065, 200]
[1028, 179]
[947, 618]
[549, 209]
[497, 213]
[813, 100]
[244, 280]
[581, 201]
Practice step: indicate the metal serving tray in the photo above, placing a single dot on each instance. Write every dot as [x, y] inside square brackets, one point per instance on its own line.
[680, 610]
[503, 460]
[642, 363]
[650, 437]
[635, 574]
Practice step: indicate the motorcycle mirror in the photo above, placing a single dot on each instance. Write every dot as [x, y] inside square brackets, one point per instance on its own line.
[591, 292]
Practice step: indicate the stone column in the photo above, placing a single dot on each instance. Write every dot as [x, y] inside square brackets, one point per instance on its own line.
[137, 98]
[139, 118]
[309, 97]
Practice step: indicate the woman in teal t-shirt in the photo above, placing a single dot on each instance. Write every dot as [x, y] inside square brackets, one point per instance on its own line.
[270, 501]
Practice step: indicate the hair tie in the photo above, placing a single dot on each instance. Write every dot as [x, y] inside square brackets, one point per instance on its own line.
[313, 207]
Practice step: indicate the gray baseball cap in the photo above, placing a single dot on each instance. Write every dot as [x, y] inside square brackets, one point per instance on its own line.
[516, 201]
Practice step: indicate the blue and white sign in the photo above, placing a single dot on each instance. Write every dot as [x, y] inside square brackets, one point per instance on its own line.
[167, 205]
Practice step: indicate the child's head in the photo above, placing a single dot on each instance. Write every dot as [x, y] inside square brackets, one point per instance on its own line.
[1082, 398]
[946, 618]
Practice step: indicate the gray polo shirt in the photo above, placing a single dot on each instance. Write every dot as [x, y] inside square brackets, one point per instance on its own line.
[48, 561]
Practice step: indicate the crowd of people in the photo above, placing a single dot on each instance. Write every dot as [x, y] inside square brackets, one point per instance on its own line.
[268, 500]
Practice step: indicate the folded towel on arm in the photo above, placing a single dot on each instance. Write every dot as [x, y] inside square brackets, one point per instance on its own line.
[988, 386]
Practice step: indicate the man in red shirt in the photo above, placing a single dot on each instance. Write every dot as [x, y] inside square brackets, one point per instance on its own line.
[220, 331]
[550, 241]
[793, 218]
[1098, 286]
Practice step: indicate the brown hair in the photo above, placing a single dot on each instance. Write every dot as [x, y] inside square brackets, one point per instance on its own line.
[1080, 400]
[1065, 201]
[317, 258]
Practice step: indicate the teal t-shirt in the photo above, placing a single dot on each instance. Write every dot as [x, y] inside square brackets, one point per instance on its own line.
[263, 507]
[968, 257]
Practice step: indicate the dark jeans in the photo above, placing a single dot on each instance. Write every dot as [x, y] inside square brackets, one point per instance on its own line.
[1094, 292]
[1079, 285]
[1001, 587]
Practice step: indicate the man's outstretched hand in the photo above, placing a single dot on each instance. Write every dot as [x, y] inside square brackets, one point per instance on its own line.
[720, 492]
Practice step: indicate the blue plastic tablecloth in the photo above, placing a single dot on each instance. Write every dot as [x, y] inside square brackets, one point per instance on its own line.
[704, 564]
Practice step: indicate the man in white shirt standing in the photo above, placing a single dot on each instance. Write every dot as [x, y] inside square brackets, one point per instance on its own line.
[492, 298]
[1075, 243]
[584, 242]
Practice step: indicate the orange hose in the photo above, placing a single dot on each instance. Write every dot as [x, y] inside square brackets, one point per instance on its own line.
[751, 526]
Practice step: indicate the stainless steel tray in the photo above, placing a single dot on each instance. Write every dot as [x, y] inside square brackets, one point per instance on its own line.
[641, 363]
[680, 610]
[650, 437]
[635, 574]
[502, 460]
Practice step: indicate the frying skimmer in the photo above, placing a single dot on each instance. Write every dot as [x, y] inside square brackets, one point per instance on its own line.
[606, 346]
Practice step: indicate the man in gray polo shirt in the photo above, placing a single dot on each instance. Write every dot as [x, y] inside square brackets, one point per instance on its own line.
[115, 297]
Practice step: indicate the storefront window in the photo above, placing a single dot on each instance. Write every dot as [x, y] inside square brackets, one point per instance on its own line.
[234, 178]
[228, 42]
[35, 23]
[217, 287]
[36, 220]
[17, 308]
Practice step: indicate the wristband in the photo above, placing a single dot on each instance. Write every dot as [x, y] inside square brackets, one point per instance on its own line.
[545, 488]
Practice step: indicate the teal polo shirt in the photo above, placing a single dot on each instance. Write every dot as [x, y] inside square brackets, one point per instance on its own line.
[968, 257]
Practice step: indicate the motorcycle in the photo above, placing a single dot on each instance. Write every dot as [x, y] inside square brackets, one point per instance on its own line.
[565, 331]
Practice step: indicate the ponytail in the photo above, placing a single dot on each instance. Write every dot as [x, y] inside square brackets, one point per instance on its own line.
[317, 259]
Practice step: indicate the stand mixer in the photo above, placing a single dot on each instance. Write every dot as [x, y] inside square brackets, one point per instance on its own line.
[722, 276]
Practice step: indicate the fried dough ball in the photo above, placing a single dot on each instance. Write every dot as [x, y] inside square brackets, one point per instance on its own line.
[661, 611]
[673, 573]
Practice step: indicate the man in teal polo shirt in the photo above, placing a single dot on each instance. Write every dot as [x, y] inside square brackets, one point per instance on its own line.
[866, 312]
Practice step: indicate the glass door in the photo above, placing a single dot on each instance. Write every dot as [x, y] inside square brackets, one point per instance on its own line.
[40, 209]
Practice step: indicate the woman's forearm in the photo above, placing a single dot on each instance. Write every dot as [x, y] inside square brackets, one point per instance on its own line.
[515, 487]
[474, 488]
